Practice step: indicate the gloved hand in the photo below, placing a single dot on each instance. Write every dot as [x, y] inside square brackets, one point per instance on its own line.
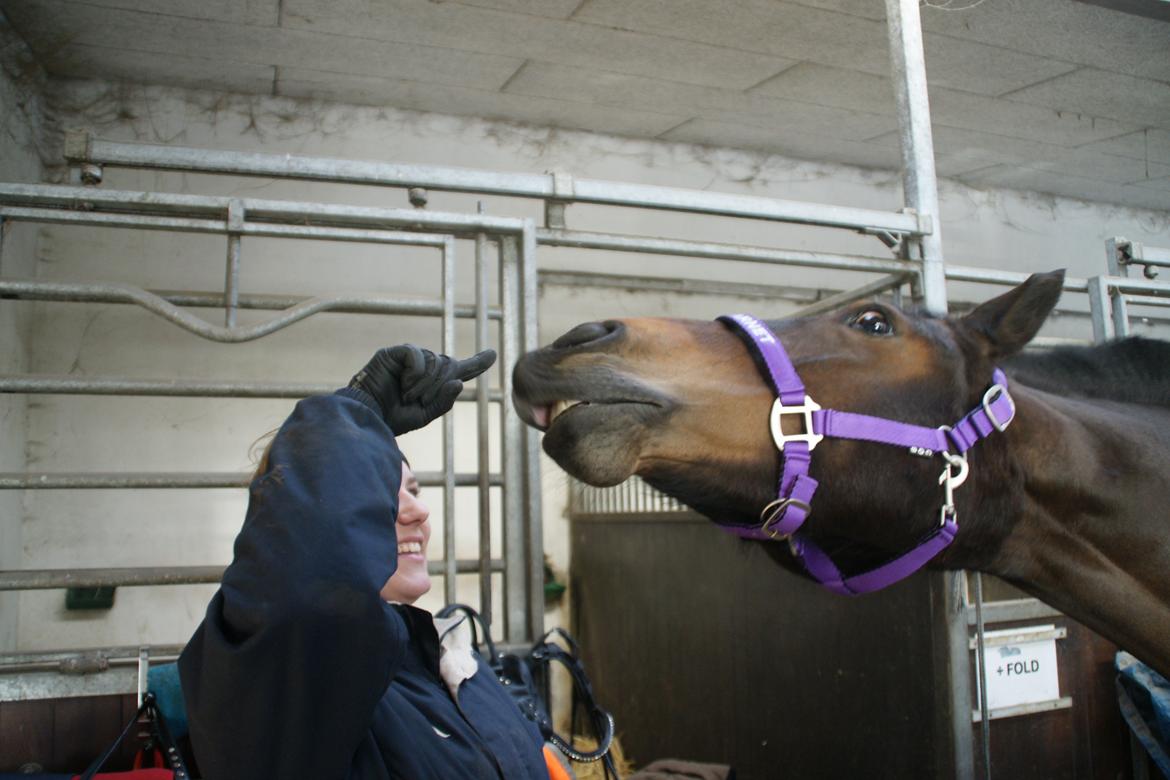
[414, 385]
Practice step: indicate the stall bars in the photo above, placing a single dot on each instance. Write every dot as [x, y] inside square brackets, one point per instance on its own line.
[232, 217]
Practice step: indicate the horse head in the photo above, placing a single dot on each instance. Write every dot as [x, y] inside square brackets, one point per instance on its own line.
[684, 404]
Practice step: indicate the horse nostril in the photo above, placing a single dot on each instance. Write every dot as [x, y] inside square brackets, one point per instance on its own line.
[585, 333]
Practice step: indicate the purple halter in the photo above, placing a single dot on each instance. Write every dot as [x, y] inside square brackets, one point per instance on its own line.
[783, 518]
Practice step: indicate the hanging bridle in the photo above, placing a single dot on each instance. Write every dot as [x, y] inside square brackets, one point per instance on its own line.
[783, 518]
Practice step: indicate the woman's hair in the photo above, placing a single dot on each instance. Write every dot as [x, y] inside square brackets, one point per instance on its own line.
[259, 451]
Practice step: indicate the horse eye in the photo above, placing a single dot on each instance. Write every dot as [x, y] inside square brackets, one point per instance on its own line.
[872, 322]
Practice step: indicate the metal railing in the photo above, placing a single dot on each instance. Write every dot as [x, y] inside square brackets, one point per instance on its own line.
[234, 218]
[1111, 296]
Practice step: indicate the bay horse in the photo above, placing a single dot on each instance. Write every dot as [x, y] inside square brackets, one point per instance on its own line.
[1065, 455]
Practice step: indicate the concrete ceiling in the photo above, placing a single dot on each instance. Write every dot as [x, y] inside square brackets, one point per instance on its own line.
[1057, 96]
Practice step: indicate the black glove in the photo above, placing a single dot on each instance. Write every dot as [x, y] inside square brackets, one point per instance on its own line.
[414, 385]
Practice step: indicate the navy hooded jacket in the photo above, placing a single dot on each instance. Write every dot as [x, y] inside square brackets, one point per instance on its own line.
[300, 669]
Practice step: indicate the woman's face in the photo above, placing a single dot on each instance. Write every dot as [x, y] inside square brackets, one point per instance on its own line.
[411, 580]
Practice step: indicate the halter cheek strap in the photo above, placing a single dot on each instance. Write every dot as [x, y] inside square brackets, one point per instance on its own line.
[784, 517]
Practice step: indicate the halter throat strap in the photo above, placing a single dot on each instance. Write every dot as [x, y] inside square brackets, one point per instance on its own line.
[783, 518]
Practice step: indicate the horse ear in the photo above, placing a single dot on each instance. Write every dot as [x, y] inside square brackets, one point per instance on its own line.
[1011, 320]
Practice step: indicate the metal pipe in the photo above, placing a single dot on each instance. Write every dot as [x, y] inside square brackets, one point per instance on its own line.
[482, 431]
[153, 303]
[48, 579]
[919, 183]
[73, 385]
[219, 226]
[1101, 309]
[180, 480]
[714, 251]
[513, 453]
[512, 184]
[531, 439]
[448, 323]
[83, 661]
[952, 667]
[1120, 313]
[92, 202]
[87, 292]
[980, 650]
[682, 286]
[231, 289]
[893, 281]
[961, 273]
[1147, 300]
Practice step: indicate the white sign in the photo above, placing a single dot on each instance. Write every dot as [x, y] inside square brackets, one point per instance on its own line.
[1021, 669]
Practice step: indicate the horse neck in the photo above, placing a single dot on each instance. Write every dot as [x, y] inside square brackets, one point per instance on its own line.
[1090, 533]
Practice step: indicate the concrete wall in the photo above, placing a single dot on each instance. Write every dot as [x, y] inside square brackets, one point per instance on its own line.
[20, 133]
[1000, 229]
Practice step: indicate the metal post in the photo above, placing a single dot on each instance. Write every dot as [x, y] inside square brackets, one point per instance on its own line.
[449, 428]
[920, 192]
[1101, 309]
[980, 648]
[231, 287]
[513, 466]
[1117, 256]
[1120, 313]
[482, 432]
[532, 441]
[919, 185]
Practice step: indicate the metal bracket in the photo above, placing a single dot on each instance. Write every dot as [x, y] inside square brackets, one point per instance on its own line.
[892, 240]
[78, 145]
[562, 196]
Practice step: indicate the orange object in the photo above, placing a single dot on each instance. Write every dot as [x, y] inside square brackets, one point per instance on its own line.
[555, 770]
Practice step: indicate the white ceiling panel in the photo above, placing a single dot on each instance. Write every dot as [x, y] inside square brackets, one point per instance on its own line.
[840, 87]
[794, 144]
[368, 90]
[1014, 177]
[174, 70]
[553, 9]
[472, 28]
[61, 27]
[1029, 93]
[778, 28]
[616, 89]
[987, 70]
[1063, 30]
[256, 12]
[1142, 145]
[1091, 92]
[1022, 120]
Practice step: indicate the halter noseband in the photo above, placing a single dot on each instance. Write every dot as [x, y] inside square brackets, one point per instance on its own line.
[782, 519]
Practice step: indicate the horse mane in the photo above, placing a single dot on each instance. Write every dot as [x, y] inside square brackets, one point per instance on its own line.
[1131, 370]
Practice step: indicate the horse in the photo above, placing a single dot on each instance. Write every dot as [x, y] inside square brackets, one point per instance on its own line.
[945, 445]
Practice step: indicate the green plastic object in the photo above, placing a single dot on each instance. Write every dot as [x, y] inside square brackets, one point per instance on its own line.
[89, 598]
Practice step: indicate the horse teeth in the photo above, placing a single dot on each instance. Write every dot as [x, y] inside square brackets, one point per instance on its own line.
[559, 408]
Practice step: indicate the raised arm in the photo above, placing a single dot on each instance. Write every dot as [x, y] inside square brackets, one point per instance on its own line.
[297, 647]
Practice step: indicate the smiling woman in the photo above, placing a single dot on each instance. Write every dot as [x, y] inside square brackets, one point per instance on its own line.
[312, 661]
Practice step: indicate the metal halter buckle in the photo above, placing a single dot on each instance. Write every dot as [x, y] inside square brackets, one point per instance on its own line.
[989, 398]
[807, 408]
[951, 481]
[773, 510]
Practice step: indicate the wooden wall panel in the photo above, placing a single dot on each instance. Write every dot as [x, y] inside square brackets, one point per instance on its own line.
[65, 735]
